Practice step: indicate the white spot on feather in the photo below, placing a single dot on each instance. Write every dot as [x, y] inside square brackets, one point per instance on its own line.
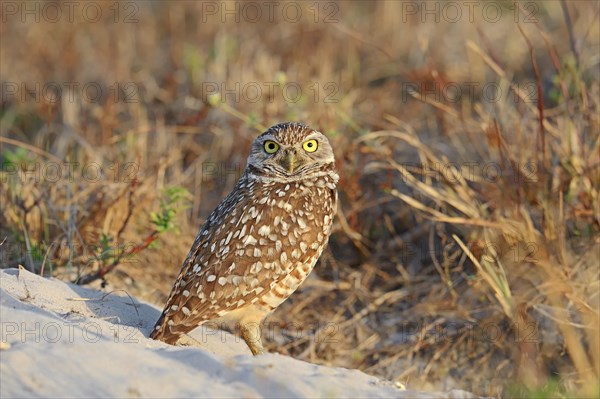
[264, 230]
[301, 223]
[255, 268]
[249, 240]
[228, 237]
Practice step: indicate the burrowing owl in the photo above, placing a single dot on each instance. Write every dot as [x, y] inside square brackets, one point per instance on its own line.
[261, 242]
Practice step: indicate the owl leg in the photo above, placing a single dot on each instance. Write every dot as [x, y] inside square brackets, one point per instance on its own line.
[251, 335]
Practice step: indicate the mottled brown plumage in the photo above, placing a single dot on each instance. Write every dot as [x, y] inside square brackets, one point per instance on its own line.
[261, 242]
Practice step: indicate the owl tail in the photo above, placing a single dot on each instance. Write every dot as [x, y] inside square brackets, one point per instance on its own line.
[163, 332]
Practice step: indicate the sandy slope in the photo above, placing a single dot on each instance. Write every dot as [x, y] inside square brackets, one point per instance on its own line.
[62, 340]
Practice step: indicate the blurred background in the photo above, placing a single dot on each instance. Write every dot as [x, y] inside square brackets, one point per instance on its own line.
[465, 250]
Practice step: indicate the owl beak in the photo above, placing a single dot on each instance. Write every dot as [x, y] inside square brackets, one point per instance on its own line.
[290, 161]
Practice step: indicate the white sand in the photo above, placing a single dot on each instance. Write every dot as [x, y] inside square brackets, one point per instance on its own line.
[62, 340]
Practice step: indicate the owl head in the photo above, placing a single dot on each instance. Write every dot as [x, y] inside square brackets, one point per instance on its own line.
[291, 151]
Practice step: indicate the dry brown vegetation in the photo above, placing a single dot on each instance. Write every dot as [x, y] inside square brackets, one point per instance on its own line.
[465, 251]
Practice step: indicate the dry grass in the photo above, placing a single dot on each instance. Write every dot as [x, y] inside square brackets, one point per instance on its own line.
[465, 251]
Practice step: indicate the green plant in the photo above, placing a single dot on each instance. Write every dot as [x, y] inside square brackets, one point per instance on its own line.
[109, 255]
[173, 201]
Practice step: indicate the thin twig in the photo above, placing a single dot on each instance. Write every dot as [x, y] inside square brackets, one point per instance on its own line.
[134, 184]
[44, 261]
[569, 23]
[540, 99]
[32, 149]
[88, 278]
[135, 306]
[27, 244]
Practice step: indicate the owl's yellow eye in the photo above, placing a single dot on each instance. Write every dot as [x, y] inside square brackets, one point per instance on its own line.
[310, 145]
[271, 147]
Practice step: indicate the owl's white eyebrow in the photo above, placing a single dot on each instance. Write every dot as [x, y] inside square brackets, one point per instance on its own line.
[268, 137]
[314, 134]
